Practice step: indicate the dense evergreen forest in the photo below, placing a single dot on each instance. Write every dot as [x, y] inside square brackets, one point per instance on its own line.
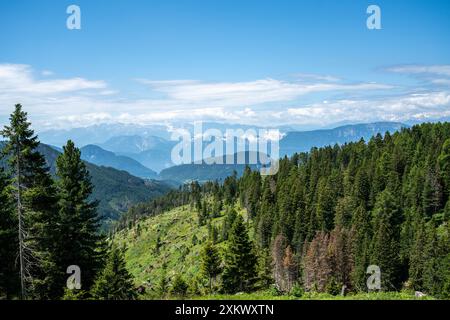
[314, 226]
[327, 215]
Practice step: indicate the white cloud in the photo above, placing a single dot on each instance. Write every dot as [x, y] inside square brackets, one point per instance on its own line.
[18, 78]
[413, 106]
[238, 94]
[442, 70]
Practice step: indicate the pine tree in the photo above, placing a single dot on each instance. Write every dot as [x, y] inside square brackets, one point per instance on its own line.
[417, 256]
[79, 242]
[265, 269]
[344, 210]
[210, 263]
[385, 243]
[228, 223]
[202, 214]
[432, 194]
[444, 165]
[158, 245]
[325, 205]
[9, 282]
[35, 196]
[361, 237]
[264, 220]
[162, 286]
[240, 261]
[114, 282]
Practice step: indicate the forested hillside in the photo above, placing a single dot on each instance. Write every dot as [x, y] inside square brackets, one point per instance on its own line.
[325, 217]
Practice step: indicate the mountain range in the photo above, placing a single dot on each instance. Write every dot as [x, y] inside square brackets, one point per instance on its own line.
[143, 154]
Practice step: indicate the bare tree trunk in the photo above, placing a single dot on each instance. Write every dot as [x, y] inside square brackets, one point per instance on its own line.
[19, 214]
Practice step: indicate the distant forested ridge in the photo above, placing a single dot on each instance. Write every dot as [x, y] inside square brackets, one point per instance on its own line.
[330, 213]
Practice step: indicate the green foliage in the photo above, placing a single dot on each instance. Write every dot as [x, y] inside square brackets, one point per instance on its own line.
[361, 237]
[210, 263]
[340, 208]
[74, 294]
[240, 261]
[114, 282]
[78, 242]
[163, 284]
[9, 281]
[333, 287]
[385, 242]
[35, 192]
[297, 290]
[179, 286]
[444, 164]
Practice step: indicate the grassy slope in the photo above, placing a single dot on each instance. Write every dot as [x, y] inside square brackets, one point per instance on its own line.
[176, 229]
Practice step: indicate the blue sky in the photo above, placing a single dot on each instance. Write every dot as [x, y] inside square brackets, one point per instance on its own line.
[308, 63]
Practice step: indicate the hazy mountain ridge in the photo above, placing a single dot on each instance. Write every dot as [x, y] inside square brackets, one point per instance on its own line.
[151, 151]
[143, 154]
[96, 155]
[303, 141]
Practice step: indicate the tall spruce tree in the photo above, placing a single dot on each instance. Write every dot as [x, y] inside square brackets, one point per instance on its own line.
[360, 234]
[385, 242]
[444, 165]
[240, 261]
[418, 257]
[79, 242]
[210, 263]
[35, 197]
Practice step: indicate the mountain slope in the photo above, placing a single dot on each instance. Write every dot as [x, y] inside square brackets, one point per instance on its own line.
[96, 155]
[116, 190]
[207, 172]
[181, 240]
[151, 151]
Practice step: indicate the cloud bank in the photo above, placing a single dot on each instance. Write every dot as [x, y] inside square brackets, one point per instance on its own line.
[55, 102]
